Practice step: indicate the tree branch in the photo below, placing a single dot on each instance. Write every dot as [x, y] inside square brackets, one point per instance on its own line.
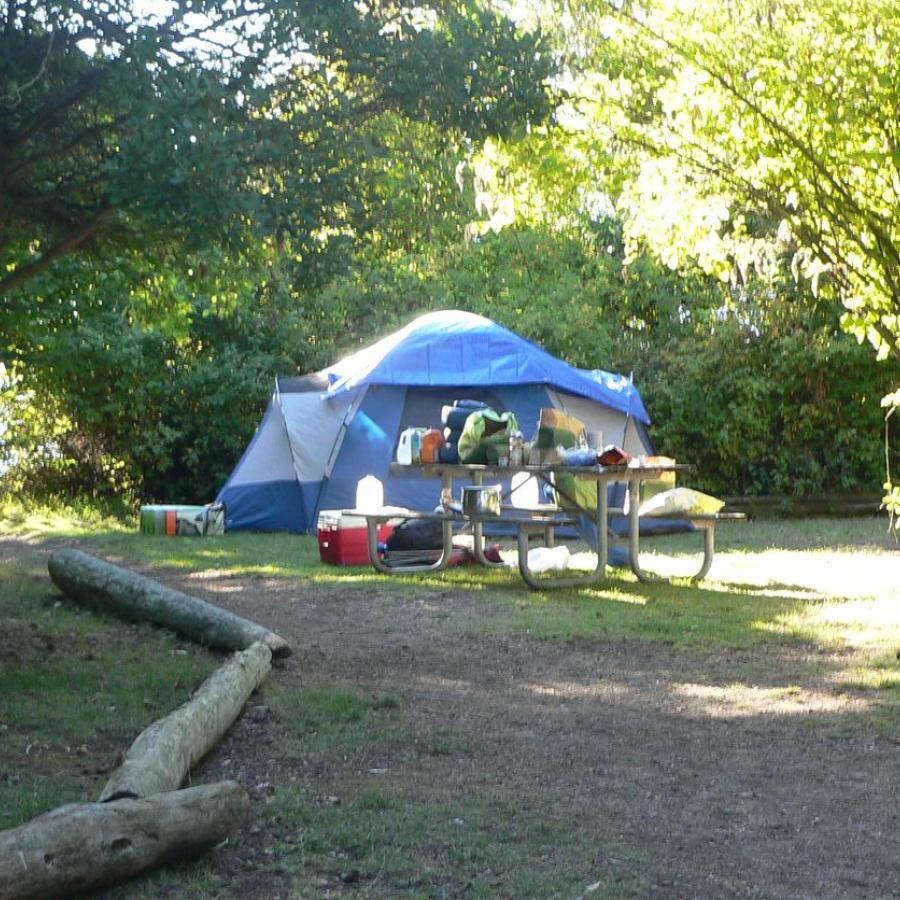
[889, 337]
[45, 116]
[11, 9]
[13, 101]
[78, 237]
[54, 152]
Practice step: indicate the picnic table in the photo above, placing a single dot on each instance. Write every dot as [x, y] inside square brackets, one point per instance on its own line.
[543, 518]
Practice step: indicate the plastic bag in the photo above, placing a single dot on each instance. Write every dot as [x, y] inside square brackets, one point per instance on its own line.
[485, 433]
[548, 559]
[557, 428]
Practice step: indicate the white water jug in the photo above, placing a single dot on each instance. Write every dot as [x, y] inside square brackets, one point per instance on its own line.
[369, 494]
[525, 492]
[408, 448]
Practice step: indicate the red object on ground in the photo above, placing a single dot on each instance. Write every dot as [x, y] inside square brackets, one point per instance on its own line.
[343, 540]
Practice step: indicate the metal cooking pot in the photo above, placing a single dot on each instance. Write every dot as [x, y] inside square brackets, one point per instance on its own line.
[483, 500]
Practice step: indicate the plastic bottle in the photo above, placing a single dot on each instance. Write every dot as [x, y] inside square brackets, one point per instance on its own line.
[432, 441]
[415, 445]
[369, 494]
[404, 447]
[516, 449]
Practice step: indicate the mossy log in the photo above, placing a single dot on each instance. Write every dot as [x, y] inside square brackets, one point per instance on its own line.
[163, 754]
[108, 588]
[85, 846]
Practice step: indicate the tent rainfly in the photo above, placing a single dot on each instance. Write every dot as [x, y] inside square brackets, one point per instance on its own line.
[322, 433]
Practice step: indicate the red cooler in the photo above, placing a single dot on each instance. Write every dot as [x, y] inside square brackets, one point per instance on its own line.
[342, 538]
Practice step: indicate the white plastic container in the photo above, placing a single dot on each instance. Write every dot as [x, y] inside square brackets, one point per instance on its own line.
[524, 492]
[409, 446]
[369, 494]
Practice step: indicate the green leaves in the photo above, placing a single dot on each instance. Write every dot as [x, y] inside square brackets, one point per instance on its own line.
[783, 113]
[224, 125]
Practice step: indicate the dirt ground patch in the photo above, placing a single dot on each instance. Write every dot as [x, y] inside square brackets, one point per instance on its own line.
[658, 772]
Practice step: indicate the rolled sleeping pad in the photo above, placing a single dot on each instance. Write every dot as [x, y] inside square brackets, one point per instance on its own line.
[448, 454]
[470, 404]
[455, 417]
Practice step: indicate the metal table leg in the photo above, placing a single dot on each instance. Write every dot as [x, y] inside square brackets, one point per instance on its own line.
[709, 547]
[707, 526]
[597, 575]
[634, 533]
[478, 536]
[372, 523]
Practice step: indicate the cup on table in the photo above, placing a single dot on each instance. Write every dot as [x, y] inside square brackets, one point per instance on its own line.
[595, 440]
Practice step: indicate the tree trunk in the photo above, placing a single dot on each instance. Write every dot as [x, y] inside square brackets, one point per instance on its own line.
[83, 846]
[163, 754]
[108, 588]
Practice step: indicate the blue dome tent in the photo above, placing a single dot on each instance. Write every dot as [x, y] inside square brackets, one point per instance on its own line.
[322, 433]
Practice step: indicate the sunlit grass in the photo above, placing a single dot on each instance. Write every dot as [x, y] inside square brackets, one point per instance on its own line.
[60, 521]
[831, 584]
[835, 583]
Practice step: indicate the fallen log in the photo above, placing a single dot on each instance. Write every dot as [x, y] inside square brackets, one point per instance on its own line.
[163, 754]
[83, 846]
[108, 588]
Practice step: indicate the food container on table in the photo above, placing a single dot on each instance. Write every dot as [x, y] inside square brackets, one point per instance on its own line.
[516, 448]
[409, 447]
[481, 500]
[432, 441]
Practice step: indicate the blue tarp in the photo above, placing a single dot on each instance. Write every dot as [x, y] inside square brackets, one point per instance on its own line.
[454, 348]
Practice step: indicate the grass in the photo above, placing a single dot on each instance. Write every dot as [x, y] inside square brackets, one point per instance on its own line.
[375, 841]
[380, 838]
[75, 688]
[319, 722]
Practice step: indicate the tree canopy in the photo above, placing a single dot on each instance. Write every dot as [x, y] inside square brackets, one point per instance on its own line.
[782, 119]
[198, 194]
[228, 122]
[735, 136]
[744, 138]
